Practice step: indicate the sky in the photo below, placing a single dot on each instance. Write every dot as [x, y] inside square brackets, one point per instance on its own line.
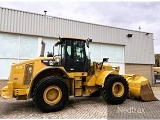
[121, 14]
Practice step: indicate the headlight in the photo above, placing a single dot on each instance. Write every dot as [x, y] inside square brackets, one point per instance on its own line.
[57, 60]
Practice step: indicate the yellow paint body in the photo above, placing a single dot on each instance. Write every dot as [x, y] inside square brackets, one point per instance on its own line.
[156, 72]
[19, 85]
[156, 69]
[25, 75]
[16, 78]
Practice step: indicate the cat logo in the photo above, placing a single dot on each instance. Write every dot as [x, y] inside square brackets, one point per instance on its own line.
[19, 67]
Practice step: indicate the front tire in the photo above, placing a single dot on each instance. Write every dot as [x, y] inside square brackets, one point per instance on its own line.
[96, 93]
[115, 90]
[51, 94]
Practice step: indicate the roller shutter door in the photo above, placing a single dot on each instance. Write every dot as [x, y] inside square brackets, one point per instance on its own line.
[115, 53]
[8, 53]
[15, 48]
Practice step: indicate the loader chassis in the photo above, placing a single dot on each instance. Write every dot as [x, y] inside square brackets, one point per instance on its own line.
[51, 80]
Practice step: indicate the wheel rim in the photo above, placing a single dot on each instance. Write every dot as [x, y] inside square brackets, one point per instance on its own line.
[118, 89]
[52, 95]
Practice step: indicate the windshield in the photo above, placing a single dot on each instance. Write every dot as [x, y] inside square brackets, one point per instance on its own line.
[79, 49]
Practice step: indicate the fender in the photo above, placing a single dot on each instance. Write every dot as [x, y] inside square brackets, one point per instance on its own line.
[35, 78]
[101, 78]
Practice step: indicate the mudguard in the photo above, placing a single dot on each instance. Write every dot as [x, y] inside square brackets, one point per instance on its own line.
[101, 78]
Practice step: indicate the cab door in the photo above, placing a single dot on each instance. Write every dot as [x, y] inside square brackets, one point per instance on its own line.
[75, 56]
[69, 56]
[79, 56]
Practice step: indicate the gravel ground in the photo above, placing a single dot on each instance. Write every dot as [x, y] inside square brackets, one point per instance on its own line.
[84, 108]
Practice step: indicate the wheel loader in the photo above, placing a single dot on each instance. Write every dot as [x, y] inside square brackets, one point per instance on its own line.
[156, 73]
[50, 80]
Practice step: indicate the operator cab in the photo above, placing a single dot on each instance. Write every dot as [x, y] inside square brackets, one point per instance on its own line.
[73, 54]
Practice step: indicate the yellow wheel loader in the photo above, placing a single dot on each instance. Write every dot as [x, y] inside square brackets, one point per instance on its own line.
[50, 80]
[156, 72]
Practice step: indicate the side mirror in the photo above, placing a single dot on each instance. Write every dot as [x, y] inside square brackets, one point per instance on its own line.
[105, 59]
[87, 42]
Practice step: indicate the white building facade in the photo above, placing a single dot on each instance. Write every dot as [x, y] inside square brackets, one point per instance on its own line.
[21, 34]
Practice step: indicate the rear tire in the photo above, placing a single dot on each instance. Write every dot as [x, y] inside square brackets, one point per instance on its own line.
[51, 94]
[115, 90]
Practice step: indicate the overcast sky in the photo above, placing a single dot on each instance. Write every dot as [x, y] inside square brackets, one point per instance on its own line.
[129, 15]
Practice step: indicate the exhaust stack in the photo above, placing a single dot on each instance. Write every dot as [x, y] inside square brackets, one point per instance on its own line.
[45, 11]
[42, 48]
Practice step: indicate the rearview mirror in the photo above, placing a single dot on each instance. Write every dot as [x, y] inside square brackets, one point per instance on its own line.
[105, 59]
[87, 42]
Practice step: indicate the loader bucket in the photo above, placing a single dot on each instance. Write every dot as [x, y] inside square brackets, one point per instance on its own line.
[139, 88]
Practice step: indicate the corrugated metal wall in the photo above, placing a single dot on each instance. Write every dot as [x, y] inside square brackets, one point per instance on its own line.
[140, 49]
[137, 50]
[41, 25]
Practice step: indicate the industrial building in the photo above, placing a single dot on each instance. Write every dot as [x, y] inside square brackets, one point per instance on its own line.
[21, 33]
